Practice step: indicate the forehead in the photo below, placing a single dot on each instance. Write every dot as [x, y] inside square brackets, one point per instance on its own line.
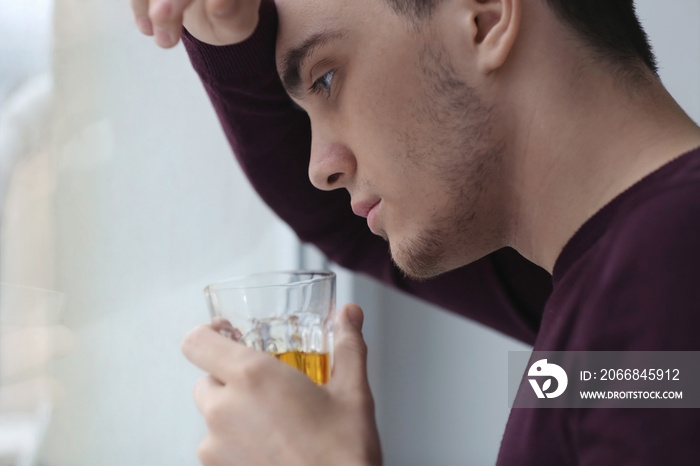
[299, 19]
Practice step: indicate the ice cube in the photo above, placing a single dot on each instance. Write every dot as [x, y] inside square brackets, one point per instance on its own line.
[295, 332]
[256, 336]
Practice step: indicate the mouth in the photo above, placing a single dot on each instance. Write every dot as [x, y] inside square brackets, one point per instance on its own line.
[368, 209]
[372, 219]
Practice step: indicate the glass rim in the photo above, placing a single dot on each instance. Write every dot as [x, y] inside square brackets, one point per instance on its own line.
[239, 282]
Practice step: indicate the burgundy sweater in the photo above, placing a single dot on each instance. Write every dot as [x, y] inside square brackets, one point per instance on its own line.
[627, 280]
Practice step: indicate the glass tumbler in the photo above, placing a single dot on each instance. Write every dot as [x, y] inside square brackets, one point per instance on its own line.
[287, 314]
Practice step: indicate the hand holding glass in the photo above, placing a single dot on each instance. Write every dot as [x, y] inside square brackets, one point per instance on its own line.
[287, 314]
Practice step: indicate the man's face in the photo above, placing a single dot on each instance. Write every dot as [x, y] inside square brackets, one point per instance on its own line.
[396, 124]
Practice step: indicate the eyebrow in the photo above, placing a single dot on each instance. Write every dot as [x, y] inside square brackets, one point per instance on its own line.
[293, 59]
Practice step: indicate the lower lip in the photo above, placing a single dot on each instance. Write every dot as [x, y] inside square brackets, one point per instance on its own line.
[372, 218]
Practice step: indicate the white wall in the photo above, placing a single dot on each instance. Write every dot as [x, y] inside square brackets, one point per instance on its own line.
[442, 396]
[672, 27]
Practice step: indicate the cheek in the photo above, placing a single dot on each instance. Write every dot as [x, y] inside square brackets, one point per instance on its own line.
[383, 135]
[381, 97]
[375, 115]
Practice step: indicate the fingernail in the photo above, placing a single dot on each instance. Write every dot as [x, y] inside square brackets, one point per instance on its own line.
[163, 36]
[355, 316]
[225, 328]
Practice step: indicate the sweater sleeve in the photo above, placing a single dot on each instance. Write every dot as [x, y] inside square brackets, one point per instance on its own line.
[271, 139]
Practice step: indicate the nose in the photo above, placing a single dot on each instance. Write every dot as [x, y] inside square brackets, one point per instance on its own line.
[332, 164]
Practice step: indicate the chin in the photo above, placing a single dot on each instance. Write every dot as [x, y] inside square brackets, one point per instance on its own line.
[419, 259]
[431, 254]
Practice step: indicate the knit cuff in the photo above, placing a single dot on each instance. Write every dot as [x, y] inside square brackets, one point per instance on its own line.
[240, 62]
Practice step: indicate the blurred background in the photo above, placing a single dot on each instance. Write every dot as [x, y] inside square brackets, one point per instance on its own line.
[119, 194]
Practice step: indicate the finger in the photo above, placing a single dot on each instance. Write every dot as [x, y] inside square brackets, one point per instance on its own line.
[232, 21]
[214, 353]
[224, 327]
[143, 22]
[205, 390]
[166, 16]
[240, 11]
[350, 351]
[223, 8]
[211, 452]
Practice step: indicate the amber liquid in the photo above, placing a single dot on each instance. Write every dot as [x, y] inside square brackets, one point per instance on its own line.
[315, 365]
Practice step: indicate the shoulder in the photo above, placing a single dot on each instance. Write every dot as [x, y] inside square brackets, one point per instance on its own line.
[661, 228]
[645, 289]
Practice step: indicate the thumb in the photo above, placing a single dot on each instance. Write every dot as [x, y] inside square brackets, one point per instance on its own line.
[231, 21]
[350, 350]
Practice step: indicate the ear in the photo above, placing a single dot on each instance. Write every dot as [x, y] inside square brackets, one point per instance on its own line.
[495, 27]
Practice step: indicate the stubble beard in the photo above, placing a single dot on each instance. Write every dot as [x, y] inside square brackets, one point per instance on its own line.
[459, 149]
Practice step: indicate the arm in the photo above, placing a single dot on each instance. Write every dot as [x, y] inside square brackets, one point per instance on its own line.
[271, 139]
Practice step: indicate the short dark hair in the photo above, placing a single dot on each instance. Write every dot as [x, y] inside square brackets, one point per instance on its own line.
[610, 27]
[416, 9]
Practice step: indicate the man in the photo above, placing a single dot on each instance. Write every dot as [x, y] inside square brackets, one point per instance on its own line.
[459, 128]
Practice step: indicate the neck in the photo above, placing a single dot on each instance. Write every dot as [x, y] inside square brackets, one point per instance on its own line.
[579, 145]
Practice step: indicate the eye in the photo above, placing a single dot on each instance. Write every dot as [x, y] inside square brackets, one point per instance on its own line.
[323, 85]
